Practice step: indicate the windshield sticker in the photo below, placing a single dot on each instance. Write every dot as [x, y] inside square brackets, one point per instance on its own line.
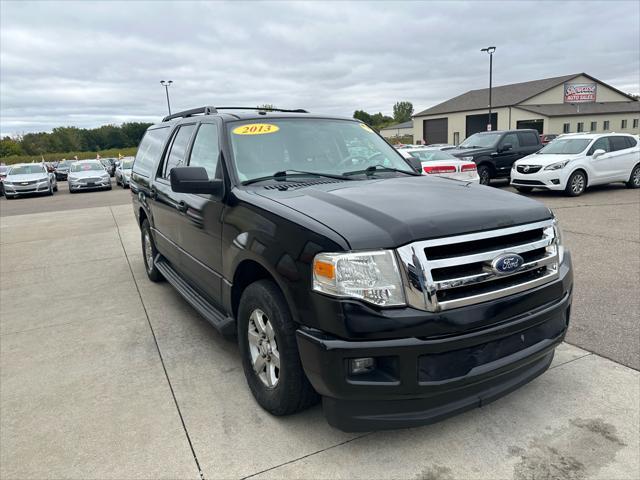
[366, 127]
[256, 129]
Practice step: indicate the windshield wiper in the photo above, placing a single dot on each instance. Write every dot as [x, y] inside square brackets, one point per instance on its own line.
[283, 174]
[374, 168]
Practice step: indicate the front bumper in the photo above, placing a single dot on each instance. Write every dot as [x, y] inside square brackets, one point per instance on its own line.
[15, 189]
[77, 186]
[545, 179]
[418, 381]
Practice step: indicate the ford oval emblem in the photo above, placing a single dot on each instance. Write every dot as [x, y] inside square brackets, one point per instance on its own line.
[507, 263]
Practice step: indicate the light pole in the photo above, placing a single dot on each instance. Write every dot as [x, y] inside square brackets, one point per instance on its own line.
[490, 51]
[166, 89]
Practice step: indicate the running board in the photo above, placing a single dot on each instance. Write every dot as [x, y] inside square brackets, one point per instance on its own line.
[225, 325]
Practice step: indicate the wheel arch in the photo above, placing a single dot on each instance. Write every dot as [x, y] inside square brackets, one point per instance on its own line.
[579, 169]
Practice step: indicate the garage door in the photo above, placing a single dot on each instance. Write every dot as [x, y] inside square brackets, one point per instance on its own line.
[478, 123]
[436, 131]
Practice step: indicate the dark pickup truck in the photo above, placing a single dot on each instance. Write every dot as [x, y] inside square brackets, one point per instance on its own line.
[398, 299]
[495, 152]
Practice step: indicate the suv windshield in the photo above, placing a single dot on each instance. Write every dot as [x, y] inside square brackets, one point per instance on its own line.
[569, 146]
[323, 146]
[81, 167]
[481, 140]
[27, 169]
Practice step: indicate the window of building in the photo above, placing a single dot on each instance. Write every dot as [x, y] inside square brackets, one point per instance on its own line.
[178, 150]
[635, 123]
[605, 125]
[205, 150]
[580, 127]
[594, 126]
[623, 124]
[566, 128]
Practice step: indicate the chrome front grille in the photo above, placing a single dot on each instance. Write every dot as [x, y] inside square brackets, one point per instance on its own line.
[528, 168]
[453, 272]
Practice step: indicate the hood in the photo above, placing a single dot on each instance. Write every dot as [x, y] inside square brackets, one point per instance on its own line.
[27, 177]
[388, 213]
[470, 152]
[88, 174]
[544, 159]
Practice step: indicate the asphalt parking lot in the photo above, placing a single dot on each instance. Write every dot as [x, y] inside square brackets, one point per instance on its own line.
[106, 375]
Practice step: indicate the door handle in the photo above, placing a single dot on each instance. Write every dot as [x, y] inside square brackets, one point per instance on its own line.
[182, 206]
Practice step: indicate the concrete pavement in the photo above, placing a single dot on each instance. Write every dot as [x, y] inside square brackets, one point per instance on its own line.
[106, 375]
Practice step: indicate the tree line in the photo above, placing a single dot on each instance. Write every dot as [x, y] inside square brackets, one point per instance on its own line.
[67, 139]
[402, 112]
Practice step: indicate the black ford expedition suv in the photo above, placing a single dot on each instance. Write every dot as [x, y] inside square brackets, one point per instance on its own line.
[495, 152]
[398, 298]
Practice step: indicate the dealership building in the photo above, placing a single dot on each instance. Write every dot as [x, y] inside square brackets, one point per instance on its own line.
[572, 103]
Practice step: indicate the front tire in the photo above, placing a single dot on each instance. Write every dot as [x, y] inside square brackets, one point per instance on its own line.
[577, 184]
[484, 173]
[634, 178]
[149, 253]
[270, 358]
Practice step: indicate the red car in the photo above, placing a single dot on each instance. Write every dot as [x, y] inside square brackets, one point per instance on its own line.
[547, 137]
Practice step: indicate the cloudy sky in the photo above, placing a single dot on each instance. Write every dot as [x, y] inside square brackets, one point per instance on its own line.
[92, 63]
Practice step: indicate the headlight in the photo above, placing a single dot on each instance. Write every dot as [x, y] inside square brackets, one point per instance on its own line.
[370, 276]
[467, 159]
[557, 165]
[559, 244]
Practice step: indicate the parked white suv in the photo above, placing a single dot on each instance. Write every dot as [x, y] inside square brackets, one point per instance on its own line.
[574, 162]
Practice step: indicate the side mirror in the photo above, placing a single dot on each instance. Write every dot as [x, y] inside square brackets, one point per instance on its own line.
[194, 180]
[506, 147]
[599, 152]
[414, 163]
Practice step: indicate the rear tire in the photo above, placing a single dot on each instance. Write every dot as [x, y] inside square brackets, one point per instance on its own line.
[577, 184]
[484, 173]
[524, 189]
[149, 253]
[634, 178]
[270, 357]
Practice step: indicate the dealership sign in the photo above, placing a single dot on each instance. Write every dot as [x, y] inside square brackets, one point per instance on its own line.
[579, 92]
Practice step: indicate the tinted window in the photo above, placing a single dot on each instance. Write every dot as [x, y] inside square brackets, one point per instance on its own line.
[600, 144]
[205, 149]
[528, 139]
[430, 155]
[631, 141]
[618, 143]
[149, 150]
[511, 138]
[178, 150]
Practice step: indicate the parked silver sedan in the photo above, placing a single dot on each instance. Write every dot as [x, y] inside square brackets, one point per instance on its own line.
[123, 172]
[27, 178]
[88, 175]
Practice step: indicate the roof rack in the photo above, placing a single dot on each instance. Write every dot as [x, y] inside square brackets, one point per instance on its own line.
[209, 110]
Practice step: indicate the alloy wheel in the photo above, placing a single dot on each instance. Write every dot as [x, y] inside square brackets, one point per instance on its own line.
[263, 348]
[577, 183]
[636, 177]
[148, 251]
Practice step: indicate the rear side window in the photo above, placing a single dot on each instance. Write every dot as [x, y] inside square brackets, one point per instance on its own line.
[206, 150]
[149, 150]
[618, 143]
[631, 141]
[528, 139]
[178, 150]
